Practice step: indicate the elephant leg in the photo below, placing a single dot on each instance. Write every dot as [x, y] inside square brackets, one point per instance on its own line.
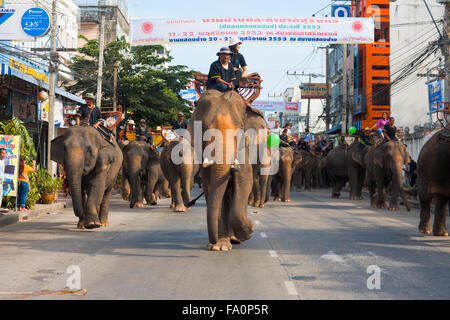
[104, 207]
[241, 225]
[268, 189]
[379, 202]
[95, 193]
[125, 187]
[225, 233]
[263, 184]
[166, 189]
[439, 227]
[175, 187]
[360, 183]
[299, 180]
[256, 189]
[308, 180]
[353, 178]
[425, 214]
[337, 186]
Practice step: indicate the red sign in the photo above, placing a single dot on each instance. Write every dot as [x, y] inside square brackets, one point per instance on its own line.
[292, 106]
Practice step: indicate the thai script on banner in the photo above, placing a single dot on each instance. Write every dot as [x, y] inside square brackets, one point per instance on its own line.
[12, 146]
[335, 30]
[27, 70]
[277, 106]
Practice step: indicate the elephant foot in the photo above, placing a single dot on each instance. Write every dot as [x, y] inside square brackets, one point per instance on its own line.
[393, 207]
[234, 240]
[126, 198]
[172, 206]
[440, 231]
[105, 224]
[353, 197]
[223, 244]
[92, 225]
[308, 189]
[335, 196]
[244, 230]
[179, 208]
[287, 200]
[261, 205]
[298, 190]
[80, 225]
[425, 228]
[277, 199]
[381, 205]
[139, 205]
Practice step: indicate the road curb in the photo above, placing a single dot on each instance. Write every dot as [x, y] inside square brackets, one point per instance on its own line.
[40, 210]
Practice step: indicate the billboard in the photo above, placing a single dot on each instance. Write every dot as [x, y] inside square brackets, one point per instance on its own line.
[12, 146]
[23, 22]
[282, 106]
[314, 91]
[275, 30]
[435, 94]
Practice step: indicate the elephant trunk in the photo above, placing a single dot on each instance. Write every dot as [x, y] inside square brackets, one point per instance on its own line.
[74, 169]
[397, 182]
[287, 176]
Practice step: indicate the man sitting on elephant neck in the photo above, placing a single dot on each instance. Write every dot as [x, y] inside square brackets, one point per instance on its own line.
[89, 114]
[302, 144]
[142, 133]
[221, 73]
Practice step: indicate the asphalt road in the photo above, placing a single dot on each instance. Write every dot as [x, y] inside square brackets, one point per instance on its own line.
[314, 247]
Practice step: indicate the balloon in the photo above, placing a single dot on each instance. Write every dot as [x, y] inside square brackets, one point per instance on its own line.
[273, 140]
[352, 130]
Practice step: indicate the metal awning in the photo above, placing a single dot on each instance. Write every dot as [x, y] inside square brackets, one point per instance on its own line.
[8, 71]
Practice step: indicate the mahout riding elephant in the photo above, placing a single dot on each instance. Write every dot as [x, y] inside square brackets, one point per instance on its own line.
[303, 171]
[142, 173]
[261, 169]
[433, 181]
[346, 164]
[281, 182]
[227, 179]
[179, 174]
[384, 165]
[91, 164]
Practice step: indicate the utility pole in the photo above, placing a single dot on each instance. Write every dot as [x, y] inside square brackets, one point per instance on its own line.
[309, 106]
[116, 69]
[352, 87]
[51, 94]
[100, 56]
[327, 101]
[344, 94]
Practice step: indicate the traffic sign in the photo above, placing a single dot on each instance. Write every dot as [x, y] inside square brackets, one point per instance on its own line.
[190, 94]
[36, 22]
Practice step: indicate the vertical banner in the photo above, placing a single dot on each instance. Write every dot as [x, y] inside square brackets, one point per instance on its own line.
[12, 146]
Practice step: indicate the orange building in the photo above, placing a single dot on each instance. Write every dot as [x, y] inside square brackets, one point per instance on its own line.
[372, 92]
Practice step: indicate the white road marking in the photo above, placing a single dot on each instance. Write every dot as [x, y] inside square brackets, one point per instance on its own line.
[290, 287]
[273, 253]
[263, 235]
[331, 256]
[257, 222]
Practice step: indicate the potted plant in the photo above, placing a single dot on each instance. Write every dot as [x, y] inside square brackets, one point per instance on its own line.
[47, 185]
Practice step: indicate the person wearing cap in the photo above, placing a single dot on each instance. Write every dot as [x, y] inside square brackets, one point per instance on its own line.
[89, 114]
[129, 133]
[237, 60]
[142, 133]
[221, 72]
[180, 123]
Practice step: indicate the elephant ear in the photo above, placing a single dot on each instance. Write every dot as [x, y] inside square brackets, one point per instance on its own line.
[57, 150]
[255, 111]
[358, 157]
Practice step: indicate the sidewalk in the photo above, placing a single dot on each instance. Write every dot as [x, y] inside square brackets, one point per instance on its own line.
[11, 216]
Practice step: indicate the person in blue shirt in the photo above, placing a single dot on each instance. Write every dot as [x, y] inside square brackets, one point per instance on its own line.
[309, 137]
[221, 72]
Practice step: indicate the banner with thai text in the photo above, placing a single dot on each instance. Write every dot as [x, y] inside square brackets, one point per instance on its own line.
[11, 164]
[282, 106]
[294, 30]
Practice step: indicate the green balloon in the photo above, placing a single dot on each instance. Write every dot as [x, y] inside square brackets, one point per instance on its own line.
[273, 140]
[352, 130]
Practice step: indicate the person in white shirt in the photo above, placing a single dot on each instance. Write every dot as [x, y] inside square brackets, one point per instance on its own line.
[277, 130]
[3, 155]
[288, 128]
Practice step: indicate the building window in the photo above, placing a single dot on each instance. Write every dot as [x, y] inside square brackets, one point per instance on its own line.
[381, 94]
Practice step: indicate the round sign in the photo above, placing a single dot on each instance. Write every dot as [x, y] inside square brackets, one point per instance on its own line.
[147, 27]
[36, 22]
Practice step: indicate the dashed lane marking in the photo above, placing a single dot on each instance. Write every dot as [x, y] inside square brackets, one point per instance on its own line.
[290, 287]
[263, 235]
[273, 253]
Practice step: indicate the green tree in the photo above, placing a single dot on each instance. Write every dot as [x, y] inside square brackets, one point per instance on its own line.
[147, 88]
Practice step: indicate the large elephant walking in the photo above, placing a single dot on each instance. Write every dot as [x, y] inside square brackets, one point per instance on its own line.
[180, 174]
[303, 170]
[384, 165]
[433, 180]
[91, 164]
[141, 173]
[281, 182]
[227, 182]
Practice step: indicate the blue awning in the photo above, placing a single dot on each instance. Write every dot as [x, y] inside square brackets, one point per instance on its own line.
[334, 130]
[7, 70]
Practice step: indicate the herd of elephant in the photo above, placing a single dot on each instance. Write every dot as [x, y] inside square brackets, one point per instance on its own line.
[92, 165]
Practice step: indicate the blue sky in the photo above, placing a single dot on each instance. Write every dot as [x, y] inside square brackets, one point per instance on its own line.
[272, 61]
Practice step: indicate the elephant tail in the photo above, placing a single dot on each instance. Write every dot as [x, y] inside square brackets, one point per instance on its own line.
[192, 203]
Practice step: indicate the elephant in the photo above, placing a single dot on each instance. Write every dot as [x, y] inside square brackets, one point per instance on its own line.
[318, 171]
[227, 179]
[261, 169]
[142, 174]
[346, 164]
[304, 170]
[91, 164]
[433, 180]
[281, 183]
[179, 175]
[384, 164]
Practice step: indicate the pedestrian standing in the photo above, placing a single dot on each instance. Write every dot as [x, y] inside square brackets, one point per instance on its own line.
[3, 155]
[309, 137]
[24, 182]
[277, 130]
